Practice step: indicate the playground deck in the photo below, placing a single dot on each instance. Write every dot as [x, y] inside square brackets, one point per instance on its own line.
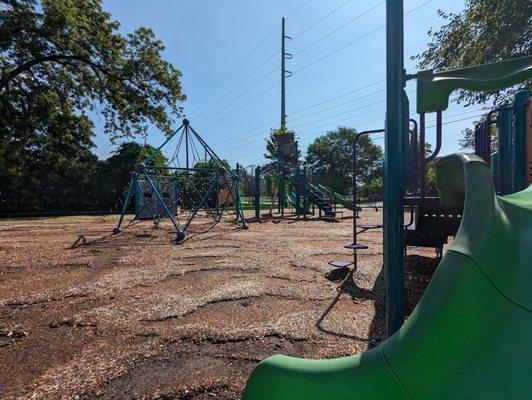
[135, 316]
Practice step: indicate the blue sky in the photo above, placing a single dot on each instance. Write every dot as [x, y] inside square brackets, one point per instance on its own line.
[233, 95]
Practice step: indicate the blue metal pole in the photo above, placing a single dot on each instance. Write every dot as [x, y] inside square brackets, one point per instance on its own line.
[126, 203]
[297, 184]
[505, 131]
[257, 194]
[304, 189]
[520, 150]
[150, 157]
[394, 170]
[238, 201]
[180, 232]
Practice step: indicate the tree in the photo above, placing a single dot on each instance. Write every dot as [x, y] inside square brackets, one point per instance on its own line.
[334, 153]
[115, 173]
[71, 51]
[58, 60]
[45, 158]
[485, 31]
[274, 149]
[467, 142]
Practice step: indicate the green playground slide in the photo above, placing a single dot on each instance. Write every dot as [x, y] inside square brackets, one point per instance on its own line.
[291, 197]
[470, 336]
[338, 197]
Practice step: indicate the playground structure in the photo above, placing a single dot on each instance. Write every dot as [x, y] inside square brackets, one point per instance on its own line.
[182, 189]
[433, 223]
[296, 187]
[455, 344]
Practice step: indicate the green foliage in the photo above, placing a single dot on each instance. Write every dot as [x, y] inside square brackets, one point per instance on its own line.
[375, 188]
[485, 31]
[46, 166]
[467, 142]
[274, 145]
[115, 173]
[71, 53]
[194, 184]
[334, 153]
[58, 60]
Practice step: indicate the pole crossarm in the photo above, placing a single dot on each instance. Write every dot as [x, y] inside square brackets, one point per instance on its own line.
[435, 87]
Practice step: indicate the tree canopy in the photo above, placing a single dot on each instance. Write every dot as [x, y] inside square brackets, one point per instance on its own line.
[114, 173]
[485, 31]
[274, 145]
[334, 153]
[59, 61]
[70, 55]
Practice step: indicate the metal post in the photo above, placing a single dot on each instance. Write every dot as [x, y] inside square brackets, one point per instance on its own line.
[304, 187]
[238, 201]
[283, 75]
[163, 203]
[297, 185]
[126, 202]
[257, 194]
[394, 178]
[422, 172]
[186, 145]
[354, 190]
[282, 194]
[505, 131]
[520, 149]
[414, 168]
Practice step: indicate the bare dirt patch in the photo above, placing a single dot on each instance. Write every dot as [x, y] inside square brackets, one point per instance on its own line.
[87, 314]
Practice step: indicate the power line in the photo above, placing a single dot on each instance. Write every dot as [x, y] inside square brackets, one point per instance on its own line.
[236, 98]
[256, 140]
[303, 109]
[340, 27]
[355, 40]
[235, 66]
[240, 83]
[242, 106]
[338, 105]
[340, 96]
[226, 142]
[321, 19]
[232, 69]
[298, 9]
[363, 124]
[226, 145]
[382, 137]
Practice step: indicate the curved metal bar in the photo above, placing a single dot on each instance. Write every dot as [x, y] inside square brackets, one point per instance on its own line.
[414, 168]
[438, 138]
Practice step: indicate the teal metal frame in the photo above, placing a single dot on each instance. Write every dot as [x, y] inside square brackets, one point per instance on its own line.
[394, 167]
[218, 179]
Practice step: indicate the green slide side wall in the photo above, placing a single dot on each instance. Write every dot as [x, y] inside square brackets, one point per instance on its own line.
[338, 197]
[470, 335]
[291, 197]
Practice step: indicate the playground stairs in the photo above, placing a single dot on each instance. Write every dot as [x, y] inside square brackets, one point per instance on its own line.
[325, 205]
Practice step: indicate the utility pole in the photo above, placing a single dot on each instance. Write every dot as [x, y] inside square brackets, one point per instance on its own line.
[284, 73]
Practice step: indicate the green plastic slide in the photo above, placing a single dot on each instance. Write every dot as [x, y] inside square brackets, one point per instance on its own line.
[470, 336]
[338, 197]
[291, 197]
